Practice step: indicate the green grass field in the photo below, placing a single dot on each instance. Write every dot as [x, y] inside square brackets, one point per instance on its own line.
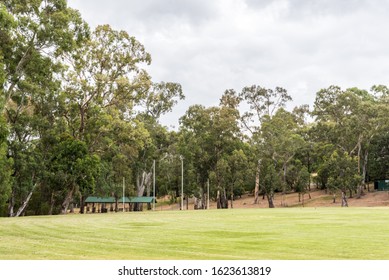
[288, 233]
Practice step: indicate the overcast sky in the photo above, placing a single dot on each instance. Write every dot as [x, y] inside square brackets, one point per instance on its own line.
[209, 46]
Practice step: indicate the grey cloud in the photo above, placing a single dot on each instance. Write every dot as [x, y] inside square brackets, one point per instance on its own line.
[150, 14]
[194, 11]
[209, 46]
[258, 4]
[329, 7]
[310, 8]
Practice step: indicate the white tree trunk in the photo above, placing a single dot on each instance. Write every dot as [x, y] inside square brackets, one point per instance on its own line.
[256, 190]
[11, 204]
[25, 203]
[362, 186]
[344, 199]
[68, 199]
[142, 182]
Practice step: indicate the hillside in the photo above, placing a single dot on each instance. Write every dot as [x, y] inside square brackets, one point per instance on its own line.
[318, 199]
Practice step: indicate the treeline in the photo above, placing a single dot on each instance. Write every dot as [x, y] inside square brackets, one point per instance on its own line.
[80, 114]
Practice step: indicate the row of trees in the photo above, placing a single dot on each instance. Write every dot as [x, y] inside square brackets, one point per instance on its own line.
[78, 108]
[339, 145]
[79, 113]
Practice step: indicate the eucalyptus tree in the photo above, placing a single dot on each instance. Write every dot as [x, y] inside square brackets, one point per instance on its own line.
[73, 168]
[103, 83]
[36, 32]
[231, 174]
[5, 168]
[5, 164]
[237, 173]
[112, 104]
[35, 35]
[298, 179]
[280, 141]
[209, 137]
[158, 100]
[270, 180]
[263, 104]
[351, 119]
[103, 76]
[197, 143]
[168, 167]
[378, 167]
[343, 174]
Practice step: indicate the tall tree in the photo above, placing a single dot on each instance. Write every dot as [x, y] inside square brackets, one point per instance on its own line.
[209, 135]
[352, 118]
[36, 34]
[74, 169]
[343, 174]
[103, 84]
[378, 168]
[38, 30]
[159, 99]
[238, 172]
[6, 22]
[263, 104]
[297, 179]
[270, 180]
[279, 142]
[5, 168]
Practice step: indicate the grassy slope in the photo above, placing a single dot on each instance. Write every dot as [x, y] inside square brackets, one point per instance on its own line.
[292, 233]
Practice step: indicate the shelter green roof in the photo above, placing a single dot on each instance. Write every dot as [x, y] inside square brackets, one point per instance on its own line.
[142, 199]
[96, 199]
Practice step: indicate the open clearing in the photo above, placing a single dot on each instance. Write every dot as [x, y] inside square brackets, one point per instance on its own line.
[281, 233]
[319, 198]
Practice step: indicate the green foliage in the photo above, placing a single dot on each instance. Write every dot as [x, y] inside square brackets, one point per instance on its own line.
[350, 120]
[343, 172]
[297, 177]
[72, 165]
[209, 137]
[5, 168]
[379, 158]
[323, 173]
[49, 23]
[105, 72]
[5, 164]
[6, 23]
[265, 102]
[269, 180]
[161, 98]
[35, 34]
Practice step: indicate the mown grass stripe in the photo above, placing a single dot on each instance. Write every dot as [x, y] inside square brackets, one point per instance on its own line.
[292, 233]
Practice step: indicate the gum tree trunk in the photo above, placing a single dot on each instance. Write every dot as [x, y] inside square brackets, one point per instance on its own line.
[11, 204]
[25, 203]
[82, 205]
[256, 189]
[270, 199]
[68, 199]
[222, 202]
[141, 183]
[362, 185]
[344, 199]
